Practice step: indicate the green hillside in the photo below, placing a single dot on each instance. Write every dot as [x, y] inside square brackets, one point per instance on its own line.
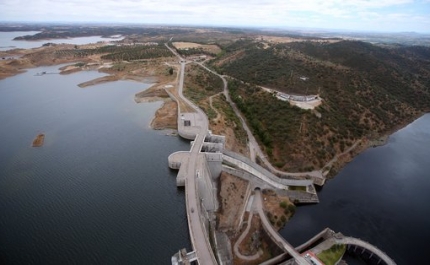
[368, 91]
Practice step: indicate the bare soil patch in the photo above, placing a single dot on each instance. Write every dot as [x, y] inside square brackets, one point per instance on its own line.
[186, 45]
[39, 140]
[212, 48]
[166, 117]
[232, 197]
[153, 93]
[99, 80]
[228, 124]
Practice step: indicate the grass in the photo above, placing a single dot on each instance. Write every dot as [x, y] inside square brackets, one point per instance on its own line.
[298, 188]
[332, 255]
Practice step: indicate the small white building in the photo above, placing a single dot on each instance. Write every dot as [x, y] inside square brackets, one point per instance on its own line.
[304, 78]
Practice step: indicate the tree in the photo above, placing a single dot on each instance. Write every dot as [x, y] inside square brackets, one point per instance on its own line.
[171, 71]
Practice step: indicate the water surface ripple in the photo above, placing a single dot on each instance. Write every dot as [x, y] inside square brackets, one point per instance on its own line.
[99, 191]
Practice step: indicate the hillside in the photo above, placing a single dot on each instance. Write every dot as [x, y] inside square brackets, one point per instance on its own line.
[368, 92]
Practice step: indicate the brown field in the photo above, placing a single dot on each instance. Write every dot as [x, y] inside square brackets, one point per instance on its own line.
[212, 48]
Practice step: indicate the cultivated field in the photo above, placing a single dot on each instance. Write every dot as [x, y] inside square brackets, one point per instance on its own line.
[191, 45]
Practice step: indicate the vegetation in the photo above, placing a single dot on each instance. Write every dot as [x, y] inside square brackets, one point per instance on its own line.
[200, 85]
[298, 188]
[332, 255]
[283, 204]
[62, 32]
[118, 53]
[367, 92]
[291, 209]
[279, 209]
[231, 120]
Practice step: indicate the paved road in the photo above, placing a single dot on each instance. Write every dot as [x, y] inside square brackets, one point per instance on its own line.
[258, 202]
[198, 234]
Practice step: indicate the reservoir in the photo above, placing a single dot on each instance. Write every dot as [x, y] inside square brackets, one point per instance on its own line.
[99, 191]
[7, 42]
[381, 197]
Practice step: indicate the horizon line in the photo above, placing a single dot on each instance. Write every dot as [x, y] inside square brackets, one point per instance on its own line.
[273, 27]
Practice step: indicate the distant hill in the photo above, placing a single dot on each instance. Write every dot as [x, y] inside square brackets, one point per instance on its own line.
[368, 91]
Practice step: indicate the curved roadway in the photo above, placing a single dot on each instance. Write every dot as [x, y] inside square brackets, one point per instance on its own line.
[276, 237]
[368, 246]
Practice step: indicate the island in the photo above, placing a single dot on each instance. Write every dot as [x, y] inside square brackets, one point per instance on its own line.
[39, 140]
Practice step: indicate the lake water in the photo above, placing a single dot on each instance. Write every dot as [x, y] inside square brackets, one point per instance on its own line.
[99, 191]
[382, 197]
[7, 42]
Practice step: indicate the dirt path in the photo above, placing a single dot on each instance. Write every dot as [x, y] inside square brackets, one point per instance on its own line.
[218, 115]
[336, 157]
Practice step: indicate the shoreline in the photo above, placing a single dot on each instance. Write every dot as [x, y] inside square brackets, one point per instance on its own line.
[68, 38]
[165, 117]
[382, 140]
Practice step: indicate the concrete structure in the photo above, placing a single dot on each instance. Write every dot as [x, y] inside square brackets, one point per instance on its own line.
[195, 176]
[365, 246]
[182, 257]
[326, 239]
[247, 165]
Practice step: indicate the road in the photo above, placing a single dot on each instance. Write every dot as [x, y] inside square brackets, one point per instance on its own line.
[276, 237]
[199, 237]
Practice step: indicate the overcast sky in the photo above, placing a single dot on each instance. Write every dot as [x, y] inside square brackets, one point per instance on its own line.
[367, 15]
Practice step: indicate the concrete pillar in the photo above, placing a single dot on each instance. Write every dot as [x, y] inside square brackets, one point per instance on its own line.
[379, 261]
[371, 255]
